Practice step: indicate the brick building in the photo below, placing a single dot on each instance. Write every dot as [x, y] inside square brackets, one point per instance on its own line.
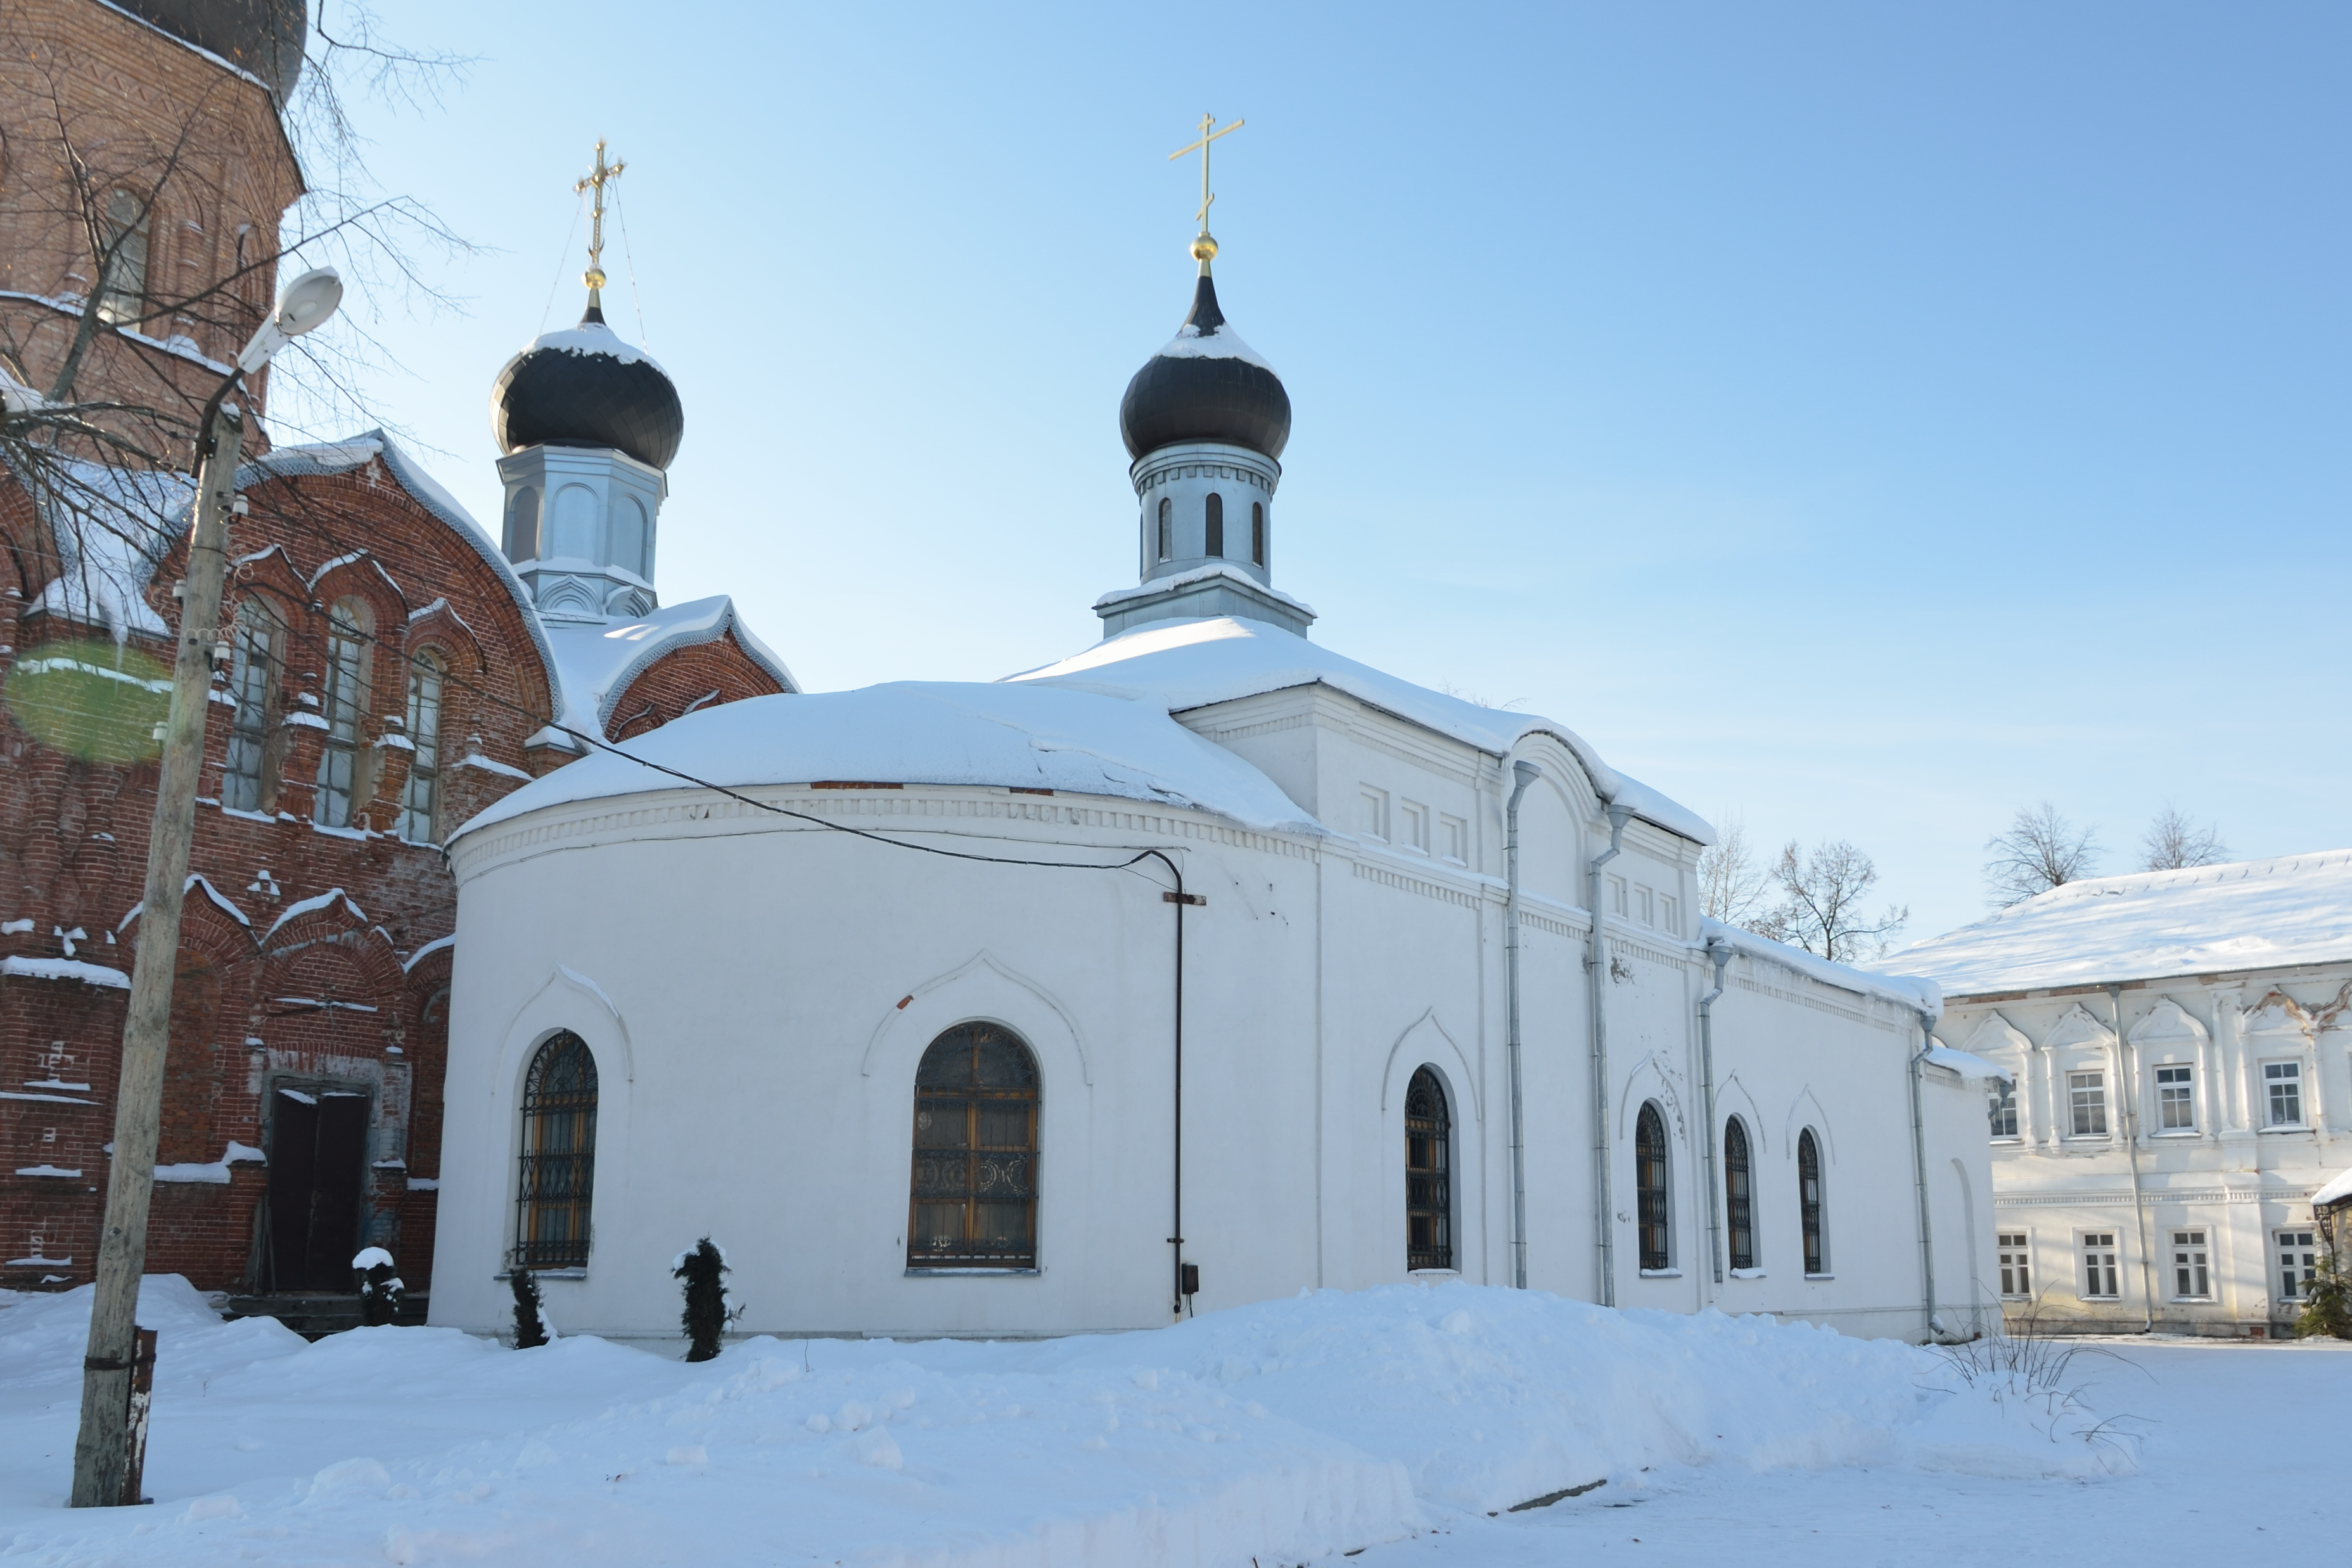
[386, 671]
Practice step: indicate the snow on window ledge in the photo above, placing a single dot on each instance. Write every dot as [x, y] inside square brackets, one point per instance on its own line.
[503, 1275]
[1820, 1276]
[1662, 1273]
[974, 1273]
[2289, 1127]
[1747, 1273]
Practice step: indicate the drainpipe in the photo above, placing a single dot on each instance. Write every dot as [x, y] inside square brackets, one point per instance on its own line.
[1919, 1174]
[1596, 977]
[1523, 774]
[1718, 953]
[2127, 1102]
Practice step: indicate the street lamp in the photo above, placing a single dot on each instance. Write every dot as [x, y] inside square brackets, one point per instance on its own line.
[109, 1452]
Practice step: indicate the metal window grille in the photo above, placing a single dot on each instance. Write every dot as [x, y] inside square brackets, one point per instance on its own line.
[2099, 1279]
[2087, 1096]
[2016, 1269]
[2176, 1100]
[2191, 1278]
[345, 699]
[420, 799]
[1428, 1175]
[1739, 1194]
[1650, 1187]
[1808, 1201]
[254, 654]
[973, 1202]
[2298, 1258]
[558, 1156]
[2002, 1112]
[2285, 1081]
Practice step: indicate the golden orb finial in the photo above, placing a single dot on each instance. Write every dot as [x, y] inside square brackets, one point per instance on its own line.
[1204, 248]
[594, 277]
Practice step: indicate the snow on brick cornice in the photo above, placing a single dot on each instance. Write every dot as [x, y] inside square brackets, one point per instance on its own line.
[1186, 664]
[600, 660]
[2215, 919]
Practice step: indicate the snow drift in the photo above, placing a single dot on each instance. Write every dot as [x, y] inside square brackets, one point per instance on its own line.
[1284, 1431]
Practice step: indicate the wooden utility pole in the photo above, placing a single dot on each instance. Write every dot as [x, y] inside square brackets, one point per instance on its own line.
[103, 1462]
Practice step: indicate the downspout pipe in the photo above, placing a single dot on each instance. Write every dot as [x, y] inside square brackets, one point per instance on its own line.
[2127, 1104]
[1920, 1177]
[1718, 953]
[1596, 978]
[1522, 774]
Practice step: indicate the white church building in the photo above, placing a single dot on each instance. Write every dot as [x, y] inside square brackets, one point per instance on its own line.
[1203, 966]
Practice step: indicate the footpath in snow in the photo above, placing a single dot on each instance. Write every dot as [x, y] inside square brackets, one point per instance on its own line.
[1282, 1432]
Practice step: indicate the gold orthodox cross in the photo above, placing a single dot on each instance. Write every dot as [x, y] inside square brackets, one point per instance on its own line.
[1201, 147]
[603, 172]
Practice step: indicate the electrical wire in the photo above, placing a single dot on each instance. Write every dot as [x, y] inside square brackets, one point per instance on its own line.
[644, 338]
[548, 309]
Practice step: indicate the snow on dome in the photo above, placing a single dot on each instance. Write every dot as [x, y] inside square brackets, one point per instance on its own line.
[585, 387]
[924, 732]
[1205, 385]
[2248, 915]
[1184, 664]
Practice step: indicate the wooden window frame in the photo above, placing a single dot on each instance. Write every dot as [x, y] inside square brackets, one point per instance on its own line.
[994, 1175]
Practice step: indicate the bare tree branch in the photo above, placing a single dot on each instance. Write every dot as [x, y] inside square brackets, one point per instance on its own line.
[1822, 895]
[1732, 887]
[2038, 851]
[2173, 843]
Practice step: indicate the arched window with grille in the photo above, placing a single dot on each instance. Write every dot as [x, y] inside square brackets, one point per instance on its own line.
[1808, 1201]
[420, 798]
[1216, 524]
[249, 774]
[1257, 533]
[1428, 1174]
[1650, 1187]
[1167, 528]
[344, 784]
[122, 285]
[1739, 1194]
[973, 1200]
[558, 1156]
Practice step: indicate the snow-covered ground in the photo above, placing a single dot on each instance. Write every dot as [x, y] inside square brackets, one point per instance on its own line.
[1279, 1433]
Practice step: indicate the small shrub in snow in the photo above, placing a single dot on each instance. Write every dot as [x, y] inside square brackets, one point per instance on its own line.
[706, 1298]
[379, 1288]
[530, 1331]
[2328, 1304]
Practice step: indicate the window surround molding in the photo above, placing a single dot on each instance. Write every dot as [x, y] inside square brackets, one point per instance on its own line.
[2169, 1035]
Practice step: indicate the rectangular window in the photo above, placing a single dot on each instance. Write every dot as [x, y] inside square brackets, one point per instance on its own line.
[1641, 909]
[420, 798]
[1457, 838]
[2099, 1267]
[2283, 1080]
[2086, 1098]
[2176, 1101]
[343, 781]
[1374, 821]
[2296, 1263]
[2191, 1280]
[2016, 1272]
[1617, 895]
[2296, 1260]
[1416, 826]
[2003, 1096]
[247, 781]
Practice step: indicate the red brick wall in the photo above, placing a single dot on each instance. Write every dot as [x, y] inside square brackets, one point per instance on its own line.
[687, 678]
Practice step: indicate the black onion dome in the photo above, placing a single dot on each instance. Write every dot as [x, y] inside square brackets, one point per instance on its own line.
[1205, 385]
[585, 387]
[263, 37]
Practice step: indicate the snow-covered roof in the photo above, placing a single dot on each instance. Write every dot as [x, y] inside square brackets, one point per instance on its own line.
[1972, 1068]
[1912, 991]
[1208, 573]
[921, 732]
[112, 526]
[598, 661]
[1190, 664]
[2249, 914]
[2335, 1191]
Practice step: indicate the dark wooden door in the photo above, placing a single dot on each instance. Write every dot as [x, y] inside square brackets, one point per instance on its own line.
[318, 1161]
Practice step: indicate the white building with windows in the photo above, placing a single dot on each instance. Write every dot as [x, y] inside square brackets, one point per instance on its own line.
[2178, 1041]
[1204, 966]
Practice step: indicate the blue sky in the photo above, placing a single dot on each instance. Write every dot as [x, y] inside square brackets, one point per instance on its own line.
[1863, 420]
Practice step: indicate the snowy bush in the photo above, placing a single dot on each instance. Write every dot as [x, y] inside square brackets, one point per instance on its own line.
[706, 1298]
[530, 1331]
[380, 1288]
